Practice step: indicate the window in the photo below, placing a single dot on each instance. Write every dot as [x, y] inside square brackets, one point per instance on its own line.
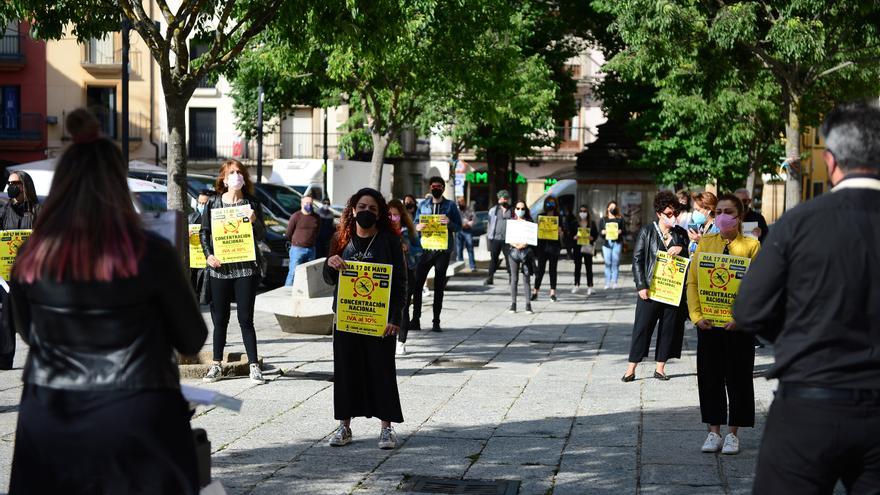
[10, 44]
[197, 48]
[102, 102]
[101, 51]
[10, 106]
[203, 133]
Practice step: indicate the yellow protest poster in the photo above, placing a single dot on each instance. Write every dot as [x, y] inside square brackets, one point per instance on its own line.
[668, 278]
[612, 231]
[718, 278]
[10, 241]
[584, 237]
[196, 255]
[233, 234]
[435, 235]
[548, 228]
[363, 296]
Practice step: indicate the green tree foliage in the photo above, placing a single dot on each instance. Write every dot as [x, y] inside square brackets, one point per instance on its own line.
[226, 25]
[720, 67]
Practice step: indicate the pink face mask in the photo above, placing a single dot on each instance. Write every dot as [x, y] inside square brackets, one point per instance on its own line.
[726, 223]
[395, 218]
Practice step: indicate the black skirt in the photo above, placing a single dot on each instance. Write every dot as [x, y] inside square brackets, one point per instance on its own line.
[365, 377]
[125, 442]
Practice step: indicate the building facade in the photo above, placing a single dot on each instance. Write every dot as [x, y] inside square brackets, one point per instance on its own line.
[22, 96]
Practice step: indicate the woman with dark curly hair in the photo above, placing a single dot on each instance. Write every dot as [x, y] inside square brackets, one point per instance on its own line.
[365, 378]
[661, 235]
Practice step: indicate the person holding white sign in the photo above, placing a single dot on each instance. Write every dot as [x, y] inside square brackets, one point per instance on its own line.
[364, 372]
[521, 259]
[233, 281]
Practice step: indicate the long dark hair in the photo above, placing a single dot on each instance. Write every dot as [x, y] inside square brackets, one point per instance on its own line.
[87, 229]
[555, 206]
[528, 212]
[347, 224]
[405, 219]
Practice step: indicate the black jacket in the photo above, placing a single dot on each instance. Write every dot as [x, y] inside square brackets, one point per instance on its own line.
[386, 249]
[118, 335]
[814, 290]
[22, 215]
[648, 242]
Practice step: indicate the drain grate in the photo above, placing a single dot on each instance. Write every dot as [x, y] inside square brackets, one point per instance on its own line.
[459, 363]
[553, 342]
[426, 484]
[322, 376]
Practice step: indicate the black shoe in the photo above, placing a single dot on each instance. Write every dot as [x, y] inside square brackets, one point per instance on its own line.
[628, 378]
[436, 327]
[553, 298]
[489, 281]
[512, 308]
[660, 376]
[534, 296]
[415, 325]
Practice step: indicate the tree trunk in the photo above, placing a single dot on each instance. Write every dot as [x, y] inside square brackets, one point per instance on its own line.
[750, 183]
[793, 185]
[498, 166]
[380, 144]
[177, 153]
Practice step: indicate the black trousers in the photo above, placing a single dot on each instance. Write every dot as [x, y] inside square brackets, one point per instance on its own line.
[587, 261]
[810, 444]
[725, 366]
[496, 248]
[670, 331]
[404, 322]
[439, 260]
[244, 292]
[545, 258]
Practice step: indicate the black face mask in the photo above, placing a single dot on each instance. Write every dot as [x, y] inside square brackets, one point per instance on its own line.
[437, 193]
[13, 190]
[614, 211]
[411, 207]
[504, 204]
[366, 219]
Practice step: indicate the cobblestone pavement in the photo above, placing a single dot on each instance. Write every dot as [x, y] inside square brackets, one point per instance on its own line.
[535, 398]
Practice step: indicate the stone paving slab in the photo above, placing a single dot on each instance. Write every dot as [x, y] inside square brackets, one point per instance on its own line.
[546, 407]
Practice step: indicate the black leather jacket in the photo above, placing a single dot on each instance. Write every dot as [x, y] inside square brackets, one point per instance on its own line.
[648, 243]
[118, 335]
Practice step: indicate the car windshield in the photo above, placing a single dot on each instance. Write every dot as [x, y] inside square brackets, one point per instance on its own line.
[287, 198]
[197, 184]
[152, 200]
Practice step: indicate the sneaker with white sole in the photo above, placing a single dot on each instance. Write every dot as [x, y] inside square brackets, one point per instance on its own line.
[589, 291]
[387, 439]
[607, 287]
[731, 445]
[401, 348]
[575, 289]
[214, 373]
[341, 437]
[712, 444]
[256, 374]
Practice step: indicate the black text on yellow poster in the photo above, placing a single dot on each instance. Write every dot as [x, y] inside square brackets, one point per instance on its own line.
[584, 237]
[667, 281]
[718, 278]
[233, 234]
[196, 255]
[612, 231]
[435, 235]
[363, 296]
[548, 228]
[10, 241]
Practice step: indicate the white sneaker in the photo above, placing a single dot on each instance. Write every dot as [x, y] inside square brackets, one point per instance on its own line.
[387, 439]
[574, 290]
[401, 349]
[342, 436]
[712, 443]
[731, 445]
[214, 373]
[607, 287]
[256, 374]
[614, 285]
[426, 291]
[589, 291]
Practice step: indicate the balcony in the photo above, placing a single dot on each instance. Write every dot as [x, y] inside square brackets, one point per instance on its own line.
[23, 129]
[102, 58]
[204, 147]
[138, 126]
[11, 55]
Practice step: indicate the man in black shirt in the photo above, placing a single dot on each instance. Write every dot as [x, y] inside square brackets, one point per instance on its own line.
[814, 290]
[752, 215]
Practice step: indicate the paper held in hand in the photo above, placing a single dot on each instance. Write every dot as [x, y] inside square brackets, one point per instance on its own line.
[548, 228]
[748, 229]
[718, 278]
[233, 234]
[612, 231]
[584, 237]
[196, 255]
[521, 232]
[10, 242]
[363, 298]
[435, 235]
[667, 281]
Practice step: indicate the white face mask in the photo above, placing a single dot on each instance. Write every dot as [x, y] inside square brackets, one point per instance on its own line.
[234, 182]
[583, 215]
[520, 213]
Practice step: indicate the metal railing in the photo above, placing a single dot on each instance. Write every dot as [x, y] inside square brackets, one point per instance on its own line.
[21, 126]
[138, 126]
[305, 144]
[102, 51]
[206, 146]
[10, 46]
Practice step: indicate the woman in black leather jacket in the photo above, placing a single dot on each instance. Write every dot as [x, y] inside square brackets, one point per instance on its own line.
[103, 305]
[662, 234]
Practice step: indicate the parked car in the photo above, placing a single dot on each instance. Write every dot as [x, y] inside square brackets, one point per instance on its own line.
[282, 200]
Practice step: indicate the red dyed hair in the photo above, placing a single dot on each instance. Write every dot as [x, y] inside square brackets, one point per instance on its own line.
[88, 229]
[220, 185]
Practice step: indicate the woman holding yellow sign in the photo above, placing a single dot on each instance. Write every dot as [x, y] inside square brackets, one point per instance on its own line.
[725, 357]
[369, 309]
[232, 225]
[549, 245]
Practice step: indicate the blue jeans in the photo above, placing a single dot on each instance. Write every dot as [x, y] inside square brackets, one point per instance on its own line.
[612, 262]
[298, 256]
[466, 240]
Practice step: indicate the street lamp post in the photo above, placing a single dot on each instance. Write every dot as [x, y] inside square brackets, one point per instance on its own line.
[126, 45]
[260, 134]
[326, 192]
